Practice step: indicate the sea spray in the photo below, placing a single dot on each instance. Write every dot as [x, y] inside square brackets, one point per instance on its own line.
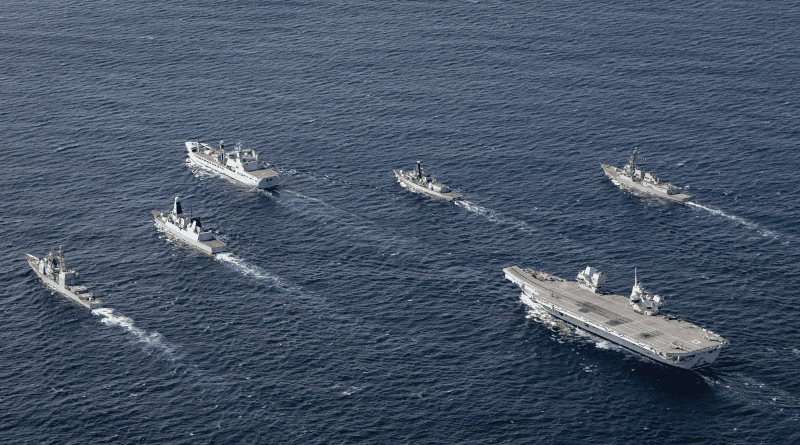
[256, 272]
[152, 340]
[494, 216]
[737, 219]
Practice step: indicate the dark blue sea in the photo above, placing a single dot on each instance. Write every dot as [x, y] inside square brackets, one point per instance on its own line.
[350, 310]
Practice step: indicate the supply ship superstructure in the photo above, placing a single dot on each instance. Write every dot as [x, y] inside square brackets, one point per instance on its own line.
[54, 273]
[187, 229]
[416, 181]
[633, 178]
[634, 323]
[240, 164]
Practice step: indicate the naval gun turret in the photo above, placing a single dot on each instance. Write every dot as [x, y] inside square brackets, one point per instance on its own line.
[591, 279]
[642, 301]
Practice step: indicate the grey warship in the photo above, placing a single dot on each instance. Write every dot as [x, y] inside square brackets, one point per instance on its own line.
[416, 181]
[634, 322]
[54, 273]
[187, 229]
[633, 178]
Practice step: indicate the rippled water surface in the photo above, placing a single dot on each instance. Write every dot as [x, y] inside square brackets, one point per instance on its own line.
[350, 310]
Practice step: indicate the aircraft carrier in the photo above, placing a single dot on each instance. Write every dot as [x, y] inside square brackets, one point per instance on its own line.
[240, 164]
[633, 323]
[416, 181]
[187, 229]
[52, 271]
[632, 177]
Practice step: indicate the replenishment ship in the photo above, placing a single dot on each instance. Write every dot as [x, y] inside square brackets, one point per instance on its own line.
[187, 229]
[634, 322]
[633, 178]
[240, 164]
[54, 273]
[416, 181]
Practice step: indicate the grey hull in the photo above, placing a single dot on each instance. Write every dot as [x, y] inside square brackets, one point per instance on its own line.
[213, 246]
[615, 175]
[452, 196]
[662, 339]
[65, 291]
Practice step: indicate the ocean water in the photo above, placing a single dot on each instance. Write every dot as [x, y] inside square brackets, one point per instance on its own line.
[350, 310]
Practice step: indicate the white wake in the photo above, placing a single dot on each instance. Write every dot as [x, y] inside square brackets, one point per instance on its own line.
[152, 340]
[737, 219]
[256, 272]
[493, 216]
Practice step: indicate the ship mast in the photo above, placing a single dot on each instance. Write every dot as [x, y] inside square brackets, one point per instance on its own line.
[633, 157]
[60, 259]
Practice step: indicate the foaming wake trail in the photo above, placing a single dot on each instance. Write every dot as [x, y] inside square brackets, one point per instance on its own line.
[256, 272]
[152, 340]
[753, 392]
[313, 301]
[494, 216]
[739, 220]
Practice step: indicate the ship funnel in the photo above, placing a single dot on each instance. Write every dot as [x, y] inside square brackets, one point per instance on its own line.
[176, 208]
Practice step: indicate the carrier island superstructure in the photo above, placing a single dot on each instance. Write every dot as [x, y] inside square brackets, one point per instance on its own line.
[634, 322]
[187, 229]
[633, 178]
[240, 164]
[416, 181]
[54, 273]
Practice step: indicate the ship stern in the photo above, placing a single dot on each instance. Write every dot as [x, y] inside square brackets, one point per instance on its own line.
[270, 182]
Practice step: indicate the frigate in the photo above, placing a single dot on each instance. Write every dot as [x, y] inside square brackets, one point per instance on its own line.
[634, 323]
[187, 229]
[633, 178]
[54, 273]
[416, 181]
[240, 164]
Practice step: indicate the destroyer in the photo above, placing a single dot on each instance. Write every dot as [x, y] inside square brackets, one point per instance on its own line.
[187, 229]
[240, 164]
[52, 271]
[632, 323]
[632, 177]
[416, 181]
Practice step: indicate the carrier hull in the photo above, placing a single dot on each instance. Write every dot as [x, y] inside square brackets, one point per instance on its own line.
[663, 339]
